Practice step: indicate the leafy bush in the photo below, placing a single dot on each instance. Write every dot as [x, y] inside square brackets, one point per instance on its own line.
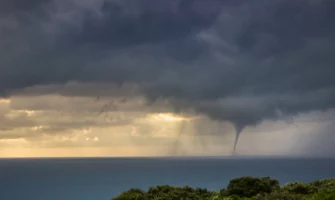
[322, 196]
[300, 188]
[132, 194]
[277, 196]
[325, 185]
[250, 186]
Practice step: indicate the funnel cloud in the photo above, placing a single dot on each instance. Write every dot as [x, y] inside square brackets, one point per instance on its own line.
[239, 130]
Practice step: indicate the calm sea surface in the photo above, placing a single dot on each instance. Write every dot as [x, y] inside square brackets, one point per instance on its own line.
[103, 178]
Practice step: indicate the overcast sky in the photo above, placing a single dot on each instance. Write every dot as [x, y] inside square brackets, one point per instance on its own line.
[167, 77]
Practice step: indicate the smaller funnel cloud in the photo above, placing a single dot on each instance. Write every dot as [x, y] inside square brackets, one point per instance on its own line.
[238, 128]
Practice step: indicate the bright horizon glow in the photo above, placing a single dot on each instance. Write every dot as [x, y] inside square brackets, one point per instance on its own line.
[6, 101]
[170, 117]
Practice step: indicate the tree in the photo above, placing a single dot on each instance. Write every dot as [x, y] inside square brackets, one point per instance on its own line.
[132, 194]
[249, 186]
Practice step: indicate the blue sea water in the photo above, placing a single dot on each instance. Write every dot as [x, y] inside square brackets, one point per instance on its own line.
[104, 178]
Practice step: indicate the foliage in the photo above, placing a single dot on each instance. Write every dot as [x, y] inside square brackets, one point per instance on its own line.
[166, 192]
[300, 188]
[325, 185]
[132, 194]
[278, 195]
[250, 186]
[243, 188]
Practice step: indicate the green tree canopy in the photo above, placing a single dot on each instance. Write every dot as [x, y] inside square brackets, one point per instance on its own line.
[250, 186]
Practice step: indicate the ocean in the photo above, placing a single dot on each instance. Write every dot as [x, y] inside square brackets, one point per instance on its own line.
[104, 178]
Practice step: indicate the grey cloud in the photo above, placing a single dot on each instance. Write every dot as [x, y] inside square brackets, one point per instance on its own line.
[45, 124]
[80, 101]
[240, 61]
[34, 117]
[79, 89]
[19, 121]
[14, 7]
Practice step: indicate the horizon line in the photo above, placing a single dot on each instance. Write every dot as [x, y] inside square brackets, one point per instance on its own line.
[177, 157]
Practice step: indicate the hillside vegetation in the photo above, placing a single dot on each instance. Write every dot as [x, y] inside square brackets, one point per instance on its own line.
[243, 188]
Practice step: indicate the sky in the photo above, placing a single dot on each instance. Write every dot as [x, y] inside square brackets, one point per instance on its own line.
[167, 78]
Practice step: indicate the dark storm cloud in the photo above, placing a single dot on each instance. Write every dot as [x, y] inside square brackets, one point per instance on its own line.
[16, 6]
[240, 61]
